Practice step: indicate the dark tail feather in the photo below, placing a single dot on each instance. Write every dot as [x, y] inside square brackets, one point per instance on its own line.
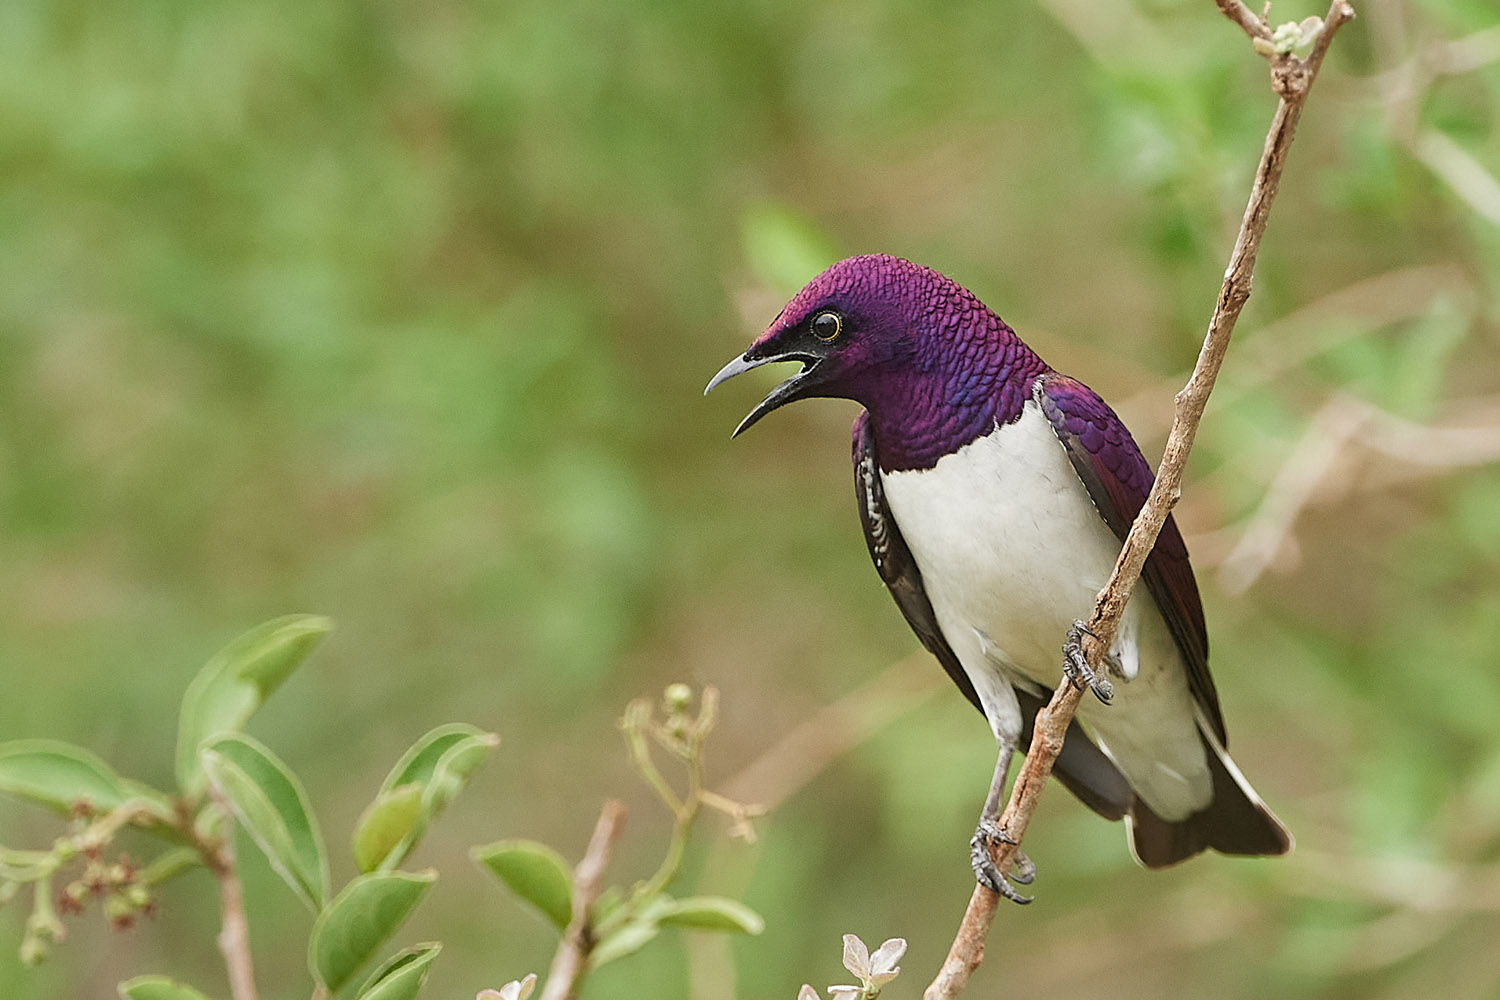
[1235, 822]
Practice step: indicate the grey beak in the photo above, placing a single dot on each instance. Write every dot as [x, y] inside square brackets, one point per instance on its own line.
[736, 367]
[784, 393]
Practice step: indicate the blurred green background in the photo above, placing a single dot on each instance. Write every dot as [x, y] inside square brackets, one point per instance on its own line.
[400, 312]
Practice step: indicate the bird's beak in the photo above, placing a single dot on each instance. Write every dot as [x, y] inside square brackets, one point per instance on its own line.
[792, 389]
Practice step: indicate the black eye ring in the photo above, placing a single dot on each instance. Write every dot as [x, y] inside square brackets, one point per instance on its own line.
[827, 325]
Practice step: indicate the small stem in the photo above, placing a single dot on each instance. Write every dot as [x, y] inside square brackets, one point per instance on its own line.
[672, 863]
[1246, 18]
[692, 802]
[234, 931]
[103, 829]
[27, 866]
[635, 725]
[43, 916]
[570, 964]
[169, 865]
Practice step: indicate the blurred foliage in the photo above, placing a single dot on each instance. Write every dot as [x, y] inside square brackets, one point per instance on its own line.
[401, 311]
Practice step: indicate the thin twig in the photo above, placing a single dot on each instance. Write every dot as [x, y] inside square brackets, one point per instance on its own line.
[1291, 79]
[1237, 12]
[234, 931]
[571, 961]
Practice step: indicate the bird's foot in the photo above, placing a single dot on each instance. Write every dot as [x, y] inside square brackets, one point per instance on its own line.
[981, 857]
[1076, 665]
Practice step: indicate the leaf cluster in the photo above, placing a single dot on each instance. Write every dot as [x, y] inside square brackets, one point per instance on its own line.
[227, 778]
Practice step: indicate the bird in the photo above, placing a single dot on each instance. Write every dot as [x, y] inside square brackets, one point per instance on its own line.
[995, 494]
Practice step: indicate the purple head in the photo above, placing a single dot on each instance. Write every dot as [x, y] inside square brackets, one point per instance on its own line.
[933, 365]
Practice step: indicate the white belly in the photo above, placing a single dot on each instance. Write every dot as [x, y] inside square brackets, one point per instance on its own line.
[1012, 551]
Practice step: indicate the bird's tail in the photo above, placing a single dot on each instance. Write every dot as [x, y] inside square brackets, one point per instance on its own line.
[1235, 822]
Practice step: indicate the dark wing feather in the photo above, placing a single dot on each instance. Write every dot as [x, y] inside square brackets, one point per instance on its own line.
[1118, 479]
[1081, 766]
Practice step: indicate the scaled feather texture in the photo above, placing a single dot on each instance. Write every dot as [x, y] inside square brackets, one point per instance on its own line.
[995, 494]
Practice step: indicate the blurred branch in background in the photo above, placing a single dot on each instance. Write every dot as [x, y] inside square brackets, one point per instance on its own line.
[1322, 452]
[1458, 168]
[1404, 87]
[1292, 341]
[832, 732]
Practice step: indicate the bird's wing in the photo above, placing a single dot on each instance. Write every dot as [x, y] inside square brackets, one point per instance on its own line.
[1118, 479]
[1081, 766]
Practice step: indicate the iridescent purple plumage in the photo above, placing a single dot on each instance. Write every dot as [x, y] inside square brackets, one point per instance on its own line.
[963, 441]
[933, 365]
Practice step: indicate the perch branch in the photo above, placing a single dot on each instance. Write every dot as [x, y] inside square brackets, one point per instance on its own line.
[571, 961]
[1292, 79]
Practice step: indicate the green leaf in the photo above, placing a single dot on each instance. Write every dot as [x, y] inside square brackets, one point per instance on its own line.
[418, 764]
[270, 804]
[422, 783]
[157, 988]
[59, 775]
[359, 920]
[711, 913]
[384, 825]
[535, 872]
[401, 976]
[630, 938]
[458, 761]
[237, 681]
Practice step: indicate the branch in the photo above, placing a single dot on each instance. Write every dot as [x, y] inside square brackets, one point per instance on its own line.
[1237, 12]
[1291, 78]
[571, 961]
[234, 932]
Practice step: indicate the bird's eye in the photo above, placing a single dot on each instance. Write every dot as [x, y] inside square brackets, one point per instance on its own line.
[827, 325]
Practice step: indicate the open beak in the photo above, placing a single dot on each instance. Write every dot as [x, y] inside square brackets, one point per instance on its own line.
[788, 391]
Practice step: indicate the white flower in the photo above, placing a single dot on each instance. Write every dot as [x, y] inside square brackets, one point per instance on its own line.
[807, 993]
[513, 990]
[856, 957]
[883, 967]
[874, 971]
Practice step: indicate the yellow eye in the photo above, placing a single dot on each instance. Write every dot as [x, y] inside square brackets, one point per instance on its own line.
[827, 325]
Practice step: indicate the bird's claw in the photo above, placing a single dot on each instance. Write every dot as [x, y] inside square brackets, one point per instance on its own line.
[1076, 665]
[981, 857]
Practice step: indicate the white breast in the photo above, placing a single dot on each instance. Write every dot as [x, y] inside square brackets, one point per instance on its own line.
[1012, 551]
